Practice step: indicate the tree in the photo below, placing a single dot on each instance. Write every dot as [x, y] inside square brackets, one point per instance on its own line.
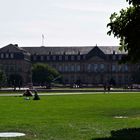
[2, 78]
[43, 74]
[15, 80]
[126, 27]
[134, 2]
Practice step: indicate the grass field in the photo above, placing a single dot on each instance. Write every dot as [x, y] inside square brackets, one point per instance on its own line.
[72, 117]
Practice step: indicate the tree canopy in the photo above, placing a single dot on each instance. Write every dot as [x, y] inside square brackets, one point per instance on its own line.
[15, 80]
[134, 2]
[125, 25]
[43, 74]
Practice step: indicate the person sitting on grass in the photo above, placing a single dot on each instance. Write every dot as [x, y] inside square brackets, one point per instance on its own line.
[36, 96]
[27, 94]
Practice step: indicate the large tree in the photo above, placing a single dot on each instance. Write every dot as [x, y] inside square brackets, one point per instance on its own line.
[43, 74]
[126, 26]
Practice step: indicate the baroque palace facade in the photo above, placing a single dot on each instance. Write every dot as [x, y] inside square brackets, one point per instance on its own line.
[89, 65]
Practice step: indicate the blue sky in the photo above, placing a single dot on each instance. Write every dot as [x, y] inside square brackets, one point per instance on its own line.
[62, 22]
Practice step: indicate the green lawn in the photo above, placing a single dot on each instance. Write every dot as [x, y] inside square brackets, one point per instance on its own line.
[71, 117]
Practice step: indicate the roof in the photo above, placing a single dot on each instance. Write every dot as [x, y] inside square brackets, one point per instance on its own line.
[111, 49]
[71, 50]
[12, 48]
[58, 50]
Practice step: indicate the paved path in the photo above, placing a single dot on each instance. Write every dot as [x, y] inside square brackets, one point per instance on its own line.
[58, 94]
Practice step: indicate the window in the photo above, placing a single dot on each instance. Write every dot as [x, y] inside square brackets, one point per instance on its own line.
[54, 58]
[102, 66]
[12, 55]
[66, 57]
[72, 68]
[114, 57]
[78, 68]
[42, 58]
[2, 55]
[78, 57]
[84, 57]
[60, 57]
[7, 55]
[48, 57]
[95, 67]
[125, 67]
[89, 67]
[120, 57]
[113, 68]
[92, 67]
[72, 57]
[65, 68]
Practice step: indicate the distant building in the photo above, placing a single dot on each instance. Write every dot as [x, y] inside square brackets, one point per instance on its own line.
[16, 61]
[86, 65]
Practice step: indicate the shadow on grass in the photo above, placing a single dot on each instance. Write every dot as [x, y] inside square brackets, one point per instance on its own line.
[123, 134]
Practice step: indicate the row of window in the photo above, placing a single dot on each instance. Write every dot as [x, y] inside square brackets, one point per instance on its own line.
[69, 57]
[91, 68]
[96, 67]
[69, 68]
[116, 57]
[103, 67]
[60, 57]
[54, 58]
[6, 55]
[117, 68]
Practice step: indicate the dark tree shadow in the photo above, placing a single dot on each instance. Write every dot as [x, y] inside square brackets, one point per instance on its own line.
[123, 134]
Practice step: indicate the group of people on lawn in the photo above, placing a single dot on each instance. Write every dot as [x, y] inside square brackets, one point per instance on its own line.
[29, 94]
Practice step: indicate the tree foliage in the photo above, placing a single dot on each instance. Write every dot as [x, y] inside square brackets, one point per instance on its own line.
[15, 80]
[134, 2]
[126, 26]
[43, 74]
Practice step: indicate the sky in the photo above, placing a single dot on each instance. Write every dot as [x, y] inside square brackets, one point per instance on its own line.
[59, 22]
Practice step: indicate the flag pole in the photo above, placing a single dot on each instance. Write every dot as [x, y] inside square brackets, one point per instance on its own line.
[42, 40]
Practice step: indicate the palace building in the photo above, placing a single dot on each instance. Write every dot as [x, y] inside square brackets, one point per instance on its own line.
[86, 64]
